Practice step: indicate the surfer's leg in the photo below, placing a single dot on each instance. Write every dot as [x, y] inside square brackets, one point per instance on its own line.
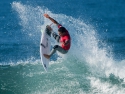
[58, 48]
[57, 37]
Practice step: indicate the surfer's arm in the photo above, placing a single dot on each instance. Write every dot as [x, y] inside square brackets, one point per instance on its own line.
[54, 21]
[66, 42]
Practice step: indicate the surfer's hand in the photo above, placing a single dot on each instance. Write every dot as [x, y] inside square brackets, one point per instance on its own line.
[63, 44]
[46, 15]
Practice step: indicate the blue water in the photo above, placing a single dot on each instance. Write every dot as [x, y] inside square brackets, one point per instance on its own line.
[95, 63]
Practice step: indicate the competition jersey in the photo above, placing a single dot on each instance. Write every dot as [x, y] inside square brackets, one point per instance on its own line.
[65, 38]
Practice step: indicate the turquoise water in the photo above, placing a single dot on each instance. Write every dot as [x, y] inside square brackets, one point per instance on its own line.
[94, 64]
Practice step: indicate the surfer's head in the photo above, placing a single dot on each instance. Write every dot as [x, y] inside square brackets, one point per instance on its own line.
[61, 31]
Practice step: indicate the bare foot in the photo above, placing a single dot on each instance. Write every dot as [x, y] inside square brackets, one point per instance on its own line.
[46, 56]
[50, 29]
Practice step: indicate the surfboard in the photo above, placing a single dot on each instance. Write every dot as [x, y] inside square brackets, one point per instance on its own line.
[45, 45]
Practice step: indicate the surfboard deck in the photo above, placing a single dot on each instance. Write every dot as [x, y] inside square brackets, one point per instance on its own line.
[45, 45]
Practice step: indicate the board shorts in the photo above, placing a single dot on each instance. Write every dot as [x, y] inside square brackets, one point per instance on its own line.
[57, 47]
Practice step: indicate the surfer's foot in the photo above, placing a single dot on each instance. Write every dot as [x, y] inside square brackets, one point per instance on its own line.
[46, 56]
[50, 29]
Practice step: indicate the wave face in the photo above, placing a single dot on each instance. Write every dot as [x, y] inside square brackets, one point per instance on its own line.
[88, 68]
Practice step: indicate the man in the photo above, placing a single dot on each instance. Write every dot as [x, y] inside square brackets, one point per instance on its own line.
[63, 38]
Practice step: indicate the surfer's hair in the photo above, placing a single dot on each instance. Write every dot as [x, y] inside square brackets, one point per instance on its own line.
[62, 29]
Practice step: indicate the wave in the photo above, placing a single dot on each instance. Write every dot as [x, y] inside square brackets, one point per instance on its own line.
[87, 68]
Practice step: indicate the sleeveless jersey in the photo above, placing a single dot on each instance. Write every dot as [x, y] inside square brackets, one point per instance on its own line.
[65, 38]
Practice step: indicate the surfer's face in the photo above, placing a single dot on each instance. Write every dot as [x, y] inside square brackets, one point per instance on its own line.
[60, 33]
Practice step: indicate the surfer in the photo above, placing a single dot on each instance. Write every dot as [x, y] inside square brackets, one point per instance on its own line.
[63, 38]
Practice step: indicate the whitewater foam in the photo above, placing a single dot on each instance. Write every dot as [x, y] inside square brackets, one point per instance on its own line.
[83, 37]
[85, 49]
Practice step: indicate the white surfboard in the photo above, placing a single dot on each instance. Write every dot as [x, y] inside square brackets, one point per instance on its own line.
[45, 45]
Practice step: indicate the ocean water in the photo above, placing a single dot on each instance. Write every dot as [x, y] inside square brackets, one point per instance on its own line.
[95, 64]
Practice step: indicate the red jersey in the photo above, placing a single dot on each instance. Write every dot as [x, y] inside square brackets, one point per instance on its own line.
[65, 38]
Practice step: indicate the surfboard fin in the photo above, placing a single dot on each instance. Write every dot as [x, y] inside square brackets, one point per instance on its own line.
[45, 65]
